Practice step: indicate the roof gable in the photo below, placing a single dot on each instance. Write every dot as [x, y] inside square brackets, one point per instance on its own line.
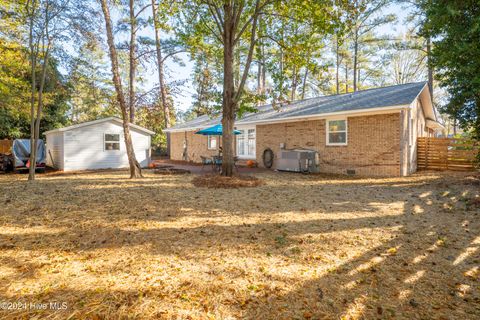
[94, 122]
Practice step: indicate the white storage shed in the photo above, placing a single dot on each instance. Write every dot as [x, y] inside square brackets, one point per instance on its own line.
[96, 144]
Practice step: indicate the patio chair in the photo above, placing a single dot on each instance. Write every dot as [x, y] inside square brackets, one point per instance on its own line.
[217, 162]
[206, 162]
[235, 161]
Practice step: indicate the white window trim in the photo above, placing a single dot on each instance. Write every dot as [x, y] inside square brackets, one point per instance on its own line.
[327, 137]
[245, 143]
[105, 141]
[208, 142]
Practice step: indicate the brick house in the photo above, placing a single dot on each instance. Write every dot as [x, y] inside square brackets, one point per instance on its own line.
[370, 132]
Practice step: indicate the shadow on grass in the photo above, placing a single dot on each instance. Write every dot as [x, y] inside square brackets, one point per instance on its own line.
[415, 273]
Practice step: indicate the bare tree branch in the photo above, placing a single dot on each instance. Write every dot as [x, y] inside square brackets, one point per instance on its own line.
[250, 53]
[254, 16]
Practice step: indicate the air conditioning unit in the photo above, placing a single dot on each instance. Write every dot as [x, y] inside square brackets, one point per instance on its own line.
[298, 160]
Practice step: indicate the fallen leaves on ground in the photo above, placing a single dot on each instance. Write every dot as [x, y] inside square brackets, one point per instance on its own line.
[218, 181]
[295, 247]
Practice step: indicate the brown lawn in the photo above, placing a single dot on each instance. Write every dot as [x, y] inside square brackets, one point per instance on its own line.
[298, 247]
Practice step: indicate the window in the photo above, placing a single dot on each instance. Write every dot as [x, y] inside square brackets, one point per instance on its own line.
[241, 143]
[337, 132]
[212, 142]
[112, 141]
[246, 141]
[251, 142]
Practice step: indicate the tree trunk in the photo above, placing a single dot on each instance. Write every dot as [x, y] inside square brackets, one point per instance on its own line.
[259, 77]
[355, 60]
[346, 77]
[36, 135]
[236, 67]
[304, 85]
[264, 72]
[337, 76]
[430, 67]
[358, 77]
[281, 73]
[230, 97]
[294, 84]
[135, 170]
[133, 62]
[36, 118]
[228, 105]
[161, 76]
[33, 66]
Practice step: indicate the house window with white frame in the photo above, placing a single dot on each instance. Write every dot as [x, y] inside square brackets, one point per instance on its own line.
[112, 141]
[337, 132]
[246, 143]
[212, 142]
[241, 143]
[251, 140]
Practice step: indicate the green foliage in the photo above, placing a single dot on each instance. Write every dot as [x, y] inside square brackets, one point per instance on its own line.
[92, 94]
[206, 81]
[289, 39]
[68, 22]
[15, 93]
[151, 117]
[455, 28]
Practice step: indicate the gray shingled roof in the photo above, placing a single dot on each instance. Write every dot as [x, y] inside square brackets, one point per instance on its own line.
[398, 95]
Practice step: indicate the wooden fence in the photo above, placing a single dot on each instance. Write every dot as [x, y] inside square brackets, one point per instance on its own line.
[5, 146]
[447, 154]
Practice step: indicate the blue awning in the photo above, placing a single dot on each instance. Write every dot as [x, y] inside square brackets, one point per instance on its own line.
[216, 130]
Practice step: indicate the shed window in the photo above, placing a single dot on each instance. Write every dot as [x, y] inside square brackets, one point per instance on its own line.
[212, 142]
[337, 132]
[112, 141]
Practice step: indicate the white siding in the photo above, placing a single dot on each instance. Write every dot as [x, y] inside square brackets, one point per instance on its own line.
[55, 150]
[84, 147]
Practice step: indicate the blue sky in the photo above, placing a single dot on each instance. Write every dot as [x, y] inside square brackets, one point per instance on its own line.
[176, 72]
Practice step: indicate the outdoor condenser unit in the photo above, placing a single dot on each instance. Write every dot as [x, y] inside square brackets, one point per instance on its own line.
[298, 160]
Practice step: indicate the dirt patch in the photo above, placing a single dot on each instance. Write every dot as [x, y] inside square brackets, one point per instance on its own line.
[217, 181]
[473, 179]
[168, 171]
[177, 162]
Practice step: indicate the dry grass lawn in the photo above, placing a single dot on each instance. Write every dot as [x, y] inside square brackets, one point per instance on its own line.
[298, 247]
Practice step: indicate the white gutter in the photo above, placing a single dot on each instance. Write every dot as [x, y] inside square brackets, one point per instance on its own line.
[379, 110]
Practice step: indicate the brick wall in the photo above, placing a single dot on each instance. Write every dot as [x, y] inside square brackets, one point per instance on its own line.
[196, 146]
[373, 144]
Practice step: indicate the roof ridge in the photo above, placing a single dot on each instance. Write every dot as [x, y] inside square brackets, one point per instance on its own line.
[342, 94]
[92, 122]
[364, 90]
[379, 97]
